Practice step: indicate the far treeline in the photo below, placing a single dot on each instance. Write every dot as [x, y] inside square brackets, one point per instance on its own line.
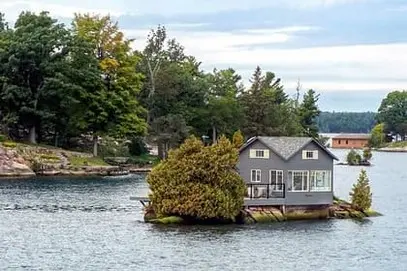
[346, 122]
[60, 83]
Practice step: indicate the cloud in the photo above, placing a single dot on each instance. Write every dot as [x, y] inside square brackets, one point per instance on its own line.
[13, 8]
[363, 67]
[66, 8]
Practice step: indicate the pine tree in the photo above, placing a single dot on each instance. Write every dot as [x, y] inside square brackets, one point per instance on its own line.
[361, 195]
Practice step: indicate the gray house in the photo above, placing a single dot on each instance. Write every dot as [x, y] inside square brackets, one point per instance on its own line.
[286, 171]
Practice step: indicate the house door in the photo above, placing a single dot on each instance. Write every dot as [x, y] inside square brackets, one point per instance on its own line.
[276, 180]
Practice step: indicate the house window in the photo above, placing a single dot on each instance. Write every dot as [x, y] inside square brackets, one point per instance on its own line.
[259, 153]
[320, 181]
[299, 180]
[255, 176]
[276, 180]
[347, 142]
[309, 155]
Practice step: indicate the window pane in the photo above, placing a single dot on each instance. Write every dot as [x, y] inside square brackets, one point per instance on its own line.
[258, 175]
[322, 181]
[297, 181]
[253, 175]
[273, 176]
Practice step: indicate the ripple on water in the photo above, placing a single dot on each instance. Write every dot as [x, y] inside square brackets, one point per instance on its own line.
[90, 224]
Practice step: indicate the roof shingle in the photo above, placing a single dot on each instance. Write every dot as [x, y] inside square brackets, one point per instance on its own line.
[286, 146]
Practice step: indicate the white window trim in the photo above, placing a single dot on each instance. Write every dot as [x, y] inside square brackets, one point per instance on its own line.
[251, 175]
[292, 181]
[282, 178]
[253, 154]
[314, 155]
[329, 174]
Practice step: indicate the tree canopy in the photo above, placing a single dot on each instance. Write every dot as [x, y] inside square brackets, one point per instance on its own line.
[60, 83]
[393, 113]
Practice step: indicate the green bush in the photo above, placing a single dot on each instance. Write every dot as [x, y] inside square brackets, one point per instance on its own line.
[198, 182]
[137, 146]
[3, 138]
[361, 195]
[353, 158]
[367, 154]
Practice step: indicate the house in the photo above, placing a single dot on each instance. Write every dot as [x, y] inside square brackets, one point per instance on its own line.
[350, 141]
[286, 171]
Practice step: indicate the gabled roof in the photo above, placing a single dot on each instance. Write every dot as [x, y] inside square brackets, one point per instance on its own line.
[286, 147]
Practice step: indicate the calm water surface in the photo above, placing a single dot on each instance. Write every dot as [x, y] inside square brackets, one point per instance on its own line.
[90, 224]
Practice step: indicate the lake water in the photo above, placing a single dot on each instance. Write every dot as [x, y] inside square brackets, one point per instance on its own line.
[90, 224]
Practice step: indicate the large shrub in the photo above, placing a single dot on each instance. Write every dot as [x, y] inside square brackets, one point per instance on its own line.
[353, 158]
[361, 195]
[198, 181]
[137, 146]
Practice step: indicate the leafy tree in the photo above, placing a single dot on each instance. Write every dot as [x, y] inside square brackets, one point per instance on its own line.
[377, 136]
[198, 182]
[308, 113]
[223, 110]
[33, 70]
[111, 107]
[393, 113]
[361, 195]
[238, 139]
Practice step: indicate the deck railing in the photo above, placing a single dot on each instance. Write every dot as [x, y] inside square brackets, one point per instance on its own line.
[265, 191]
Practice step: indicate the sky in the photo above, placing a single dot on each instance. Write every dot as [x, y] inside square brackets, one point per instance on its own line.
[351, 52]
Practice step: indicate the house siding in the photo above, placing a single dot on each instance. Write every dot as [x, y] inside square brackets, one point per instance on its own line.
[275, 162]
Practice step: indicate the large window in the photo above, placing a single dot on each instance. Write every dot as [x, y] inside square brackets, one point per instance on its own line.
[320, 180]
[299, 180]
[276, 180]
[255, 176]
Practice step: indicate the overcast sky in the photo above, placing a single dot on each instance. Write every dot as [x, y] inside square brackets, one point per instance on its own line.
[352, 52]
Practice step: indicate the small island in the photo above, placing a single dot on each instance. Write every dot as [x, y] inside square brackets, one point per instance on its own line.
[199, 184]
[354, 158]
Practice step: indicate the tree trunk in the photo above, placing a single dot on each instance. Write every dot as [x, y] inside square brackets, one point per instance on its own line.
[213, 134]
[32, 136]
[95, 145]
[56, 139]
[160, 146]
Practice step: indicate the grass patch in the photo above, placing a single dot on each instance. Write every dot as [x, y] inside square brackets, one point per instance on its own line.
[87, 161]
[49, 157]
[9, 144]
[399, 144]
[145, 159]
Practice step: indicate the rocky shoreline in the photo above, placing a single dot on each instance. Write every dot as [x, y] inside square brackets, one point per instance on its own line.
[340, 209]
[28, 161]
[391, 149]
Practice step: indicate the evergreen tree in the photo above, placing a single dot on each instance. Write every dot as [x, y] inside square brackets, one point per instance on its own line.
[361, 195]
[308, 113]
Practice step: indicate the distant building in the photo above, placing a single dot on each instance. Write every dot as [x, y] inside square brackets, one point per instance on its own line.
[350, 141]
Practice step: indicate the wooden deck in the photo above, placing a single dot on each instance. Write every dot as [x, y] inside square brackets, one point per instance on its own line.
[247, 201]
